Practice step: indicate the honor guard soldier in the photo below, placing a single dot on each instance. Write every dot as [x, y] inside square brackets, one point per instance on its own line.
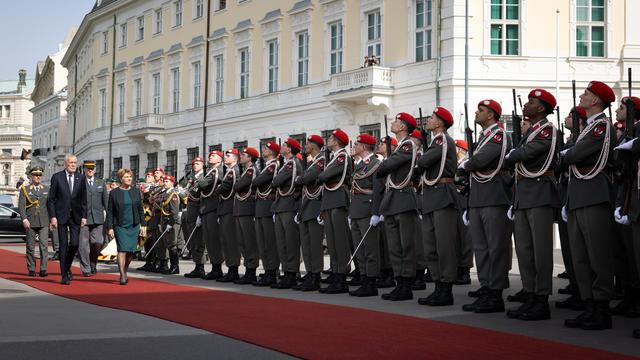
[159, 253]
[311, 230]
[463, 238]
[421, 260]
[209, 204]
[146, 189]
[196, 240]
[486, 216]
[366, 194]
[244, 208]
[92, 235]
[534, 202]
[588, 209]
[399, 207]
[387, 279]
[230, 247]
[439, 208]
[264, 223]
[285, 208]
[334, 210]
[169, 209]
[32, 205]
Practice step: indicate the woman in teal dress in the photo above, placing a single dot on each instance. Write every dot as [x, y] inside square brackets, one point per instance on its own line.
[125, 220]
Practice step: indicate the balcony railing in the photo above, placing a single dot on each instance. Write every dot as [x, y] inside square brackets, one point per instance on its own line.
[373, 77]
[145, 122]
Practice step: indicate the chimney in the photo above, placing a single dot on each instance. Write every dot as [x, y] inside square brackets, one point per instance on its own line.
[22, 82]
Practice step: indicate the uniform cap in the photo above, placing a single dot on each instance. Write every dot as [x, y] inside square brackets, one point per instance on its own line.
[544, 96]
[366, 139]
[316, 139]
[444, 115]
[416, 134]
[635, 101]
[148, 173]
[491, 104]
[273, 146]
[407, 118]
[37, 171]
[169, 177]
[603, 91]
[253, 152]
[196, 159]
[158, 169]
[89, 164]
[232, 151]
[462, 144]
[394, 141]
[341, 135]
[293, 143]
[216, 152]
[582, 113]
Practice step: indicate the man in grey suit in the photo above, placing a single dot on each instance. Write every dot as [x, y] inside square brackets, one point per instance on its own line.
[32, 205]
[92, 235]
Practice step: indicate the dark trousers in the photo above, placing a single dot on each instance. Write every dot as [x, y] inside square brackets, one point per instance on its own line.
[368, 254]
[439, 234]
[336, 228]
[246, 234]
[401, 230]
[624, 258]
[565, 247]
[196, 243]
[211, 237]
[69, 235]
[464, 245]
[311, 241]
[230, 247]
[534, 248]
[491, 236]
[288, 241]
[267, 248]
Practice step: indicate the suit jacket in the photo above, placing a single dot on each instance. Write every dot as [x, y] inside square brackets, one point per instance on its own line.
[283, 182]
[262, 183]
[439, 196]
[116, 208]
[67, 206]
[310, 208]
[398, 167]
[331, 175]
[209, 201]
[225, 190]
[32, 205]
[97, 201]
[242, 189]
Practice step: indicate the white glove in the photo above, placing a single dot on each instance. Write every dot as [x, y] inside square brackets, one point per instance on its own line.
[510, 214]
[198, 221]
[564, 214]
[319, 220]
[296, 218]
[349, 220]
[620, 219]
[381, 218]
[375, 220]
[564, 152]
[510, 152]
[274, 218]
[462, 164]
[625, 145]
[168, 227]
[465, 218]
[419, 216]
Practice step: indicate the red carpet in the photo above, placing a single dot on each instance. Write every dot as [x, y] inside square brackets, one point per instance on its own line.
[300, 328]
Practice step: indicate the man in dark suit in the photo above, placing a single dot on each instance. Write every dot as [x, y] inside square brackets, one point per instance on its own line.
[91, 236]
[67, 206]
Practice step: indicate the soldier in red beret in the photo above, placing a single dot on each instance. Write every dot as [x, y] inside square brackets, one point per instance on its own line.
[311, 232]
[196, 243]
[169, 202]
[387, 278]
[535, 197]
[486, 215]
[399, 207]
[264, 224]
[285, 208]
[335, 179]
[419, 281]
[589, 207]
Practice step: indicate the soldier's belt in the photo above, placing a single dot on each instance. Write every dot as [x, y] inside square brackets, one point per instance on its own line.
[295, 194]
[502, 172]
[445, 180]
[332, 185]
[271, 196]
[363, 191]
[548, 173]
[585, 170]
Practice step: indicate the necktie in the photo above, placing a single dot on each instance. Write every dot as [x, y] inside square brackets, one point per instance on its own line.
[91, 183]
[70, 183]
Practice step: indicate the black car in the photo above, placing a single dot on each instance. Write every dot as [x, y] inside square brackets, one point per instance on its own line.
[10, 222]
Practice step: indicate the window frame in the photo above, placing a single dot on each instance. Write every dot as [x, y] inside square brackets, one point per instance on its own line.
[302, 75]
[336, 52]
[175, 89]
[196, 68]
[140, 28]
[178, 10]
[157, 23]
[103, 107]
[198, 9]
[426, 31]
[219, 78]
[137, 85]
[121, 102]
[374, 46]
[590, 25]
[273, 54]
[105, 42]
[244, 67]
[505, 23]
[156, 92]
[123, 34]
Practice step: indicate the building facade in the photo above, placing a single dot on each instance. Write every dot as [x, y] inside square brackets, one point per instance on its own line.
[51, 133]
[138, 69]
[15, 132]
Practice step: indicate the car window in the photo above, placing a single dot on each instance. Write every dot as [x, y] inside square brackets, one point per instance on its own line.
[5, 212]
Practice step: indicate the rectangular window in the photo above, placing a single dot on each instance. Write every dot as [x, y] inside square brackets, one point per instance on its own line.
[273, 65]
[374, 37]
[156, 93]
[505, 27]
[152, 161]
[303, 58]
[243, 55]
[424, 29]
[219, 60]
[222, 4]
[99, 168]
[373, 130]
[192, 153]
[121, 94]
[240, 145]
[177, 13]
[134, 165]
[137, 84]
[590, 28]
[336, 47]
[264, 142]
[199, 9]
[172, 163]
[325, 135]
[117, 164]
[140, 33]
[105, 42]
[7, 111]
[196, 84]
[158, 22]
[103, 107]
[123, 35]
[175, 92]
[301, 138]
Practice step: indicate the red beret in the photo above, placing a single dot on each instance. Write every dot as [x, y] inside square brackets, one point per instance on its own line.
[544, 96]
[407, 118]
[232, 151]
[273, 146]
[582, 113]
[491, 104]
[365, 138]
[603, 91]
[253, 152]
[293, 143]
[158, 169]
[196, 159]
[216, 152]
[341, 135]
[417, 134]
[635, 100]
[462, 144]
[444, 115]
[169, 177]
[299, 156]
[394, 141]
[316, 139]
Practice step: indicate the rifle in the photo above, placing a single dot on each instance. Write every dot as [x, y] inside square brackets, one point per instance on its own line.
[628, 136]
[560, 127]
[303, 153]
[387, 138]
[575, 122]
[424, 132]
[516, 135]
[279, 157]
[261, 160]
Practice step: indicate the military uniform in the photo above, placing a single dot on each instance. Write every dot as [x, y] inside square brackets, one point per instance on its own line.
[264, 224]
[153, 226]
[228, 237]
[92, 235]
[421, 255]
[169, 218]
[284, 208]
[244, 208]
[32, 206]
[209, 202]
[196, 244]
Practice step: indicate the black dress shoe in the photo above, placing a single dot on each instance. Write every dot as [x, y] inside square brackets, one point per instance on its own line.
[311, 283]
[214, 274]
[478, 293]
[539, 310]
[520, 296]
[248, 278]
[515, 313]
[584, 316]
[267, 279]
[65, 281]
[43, 273]
[287, 282]
[601, 318]
[492, 304]
[230, 276]
[32, 273]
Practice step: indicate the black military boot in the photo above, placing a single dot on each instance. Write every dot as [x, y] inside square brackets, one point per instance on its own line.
[303, 280]
[567, 290]
[338, 286]
[287, 282]
[584, 316]
[436, 291]
[174, 259]
[478, 293]
[520, 296]
[405, 292]
[198, 272]
[392, 293]
[311, 283]
[427, 277]
[368, 288]
[563, 275]
[479, 301]
[539, 310]
[601, 318]
[215, 273]
[464, 276]
[163, 267]
[418, 282]
[148, 264]
[248, 278]
[625, 305]
[230, 276]
[572, 302]
[493, 303]
[267, 279]
[328, 279]
[444, 297]
[356, 278]
[386, 279]
[515, 313]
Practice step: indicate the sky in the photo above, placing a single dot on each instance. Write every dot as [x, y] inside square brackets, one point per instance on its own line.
[32, 29]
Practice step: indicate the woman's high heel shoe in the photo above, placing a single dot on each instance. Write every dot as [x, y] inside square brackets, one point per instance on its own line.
[125, 282]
